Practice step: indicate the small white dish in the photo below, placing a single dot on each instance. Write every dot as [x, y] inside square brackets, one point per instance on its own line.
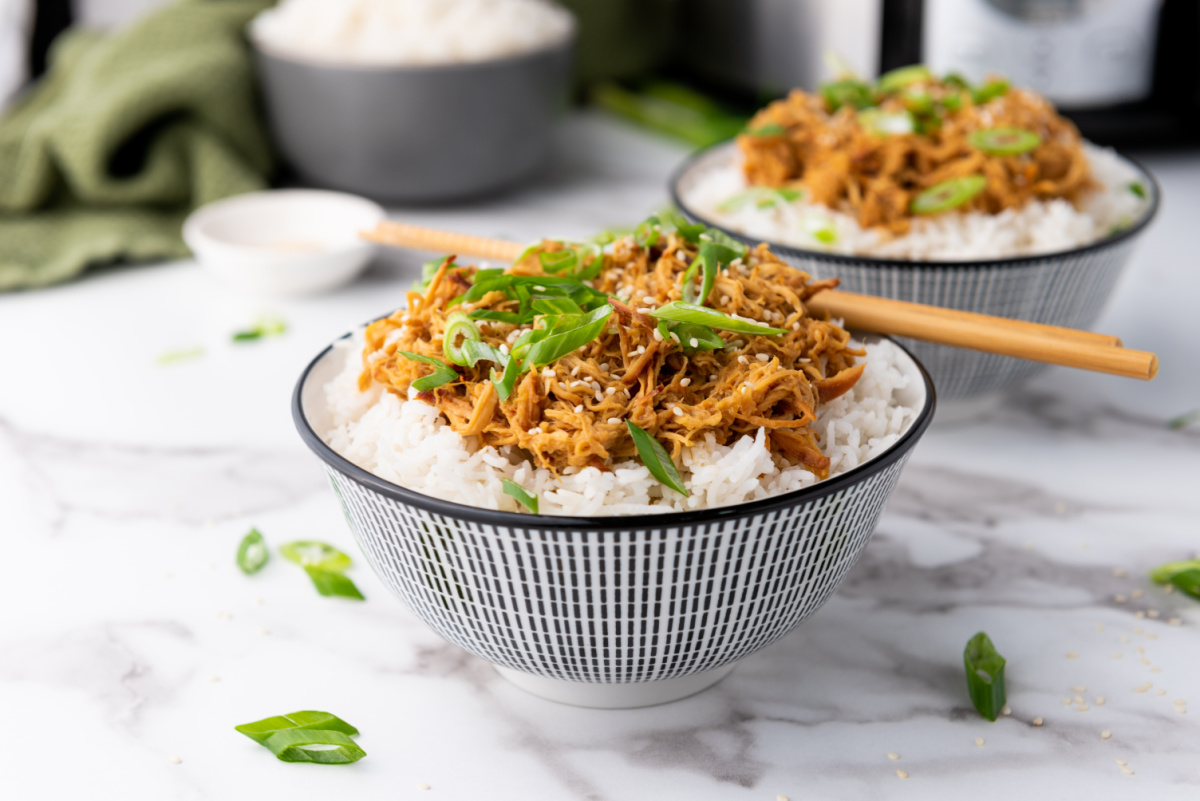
[283, 243]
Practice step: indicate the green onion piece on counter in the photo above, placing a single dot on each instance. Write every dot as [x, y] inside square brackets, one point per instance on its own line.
[997, 87]
[1184, 420]
[560, 344]
[847, 92]
[314, 745]
[1004, 141]
[260, 730]
[442, 373]
[264, 327]
[514, 490]
[310, 553]
[886, 123]
[948, 194]
[682, 312]
[559, 261]
[252, 553]
[171, 357]
[458, 323]
[671, 109]
[901, 77]
[985, 675]
[1138, 188]
[770, 129]
[333, 583]
[656, 459]
[1184, 575]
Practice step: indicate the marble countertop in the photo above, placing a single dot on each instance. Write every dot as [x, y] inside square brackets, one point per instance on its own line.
[130, 645]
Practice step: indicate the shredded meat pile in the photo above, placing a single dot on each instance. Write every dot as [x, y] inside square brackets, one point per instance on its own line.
[875, 176]
[572, 412]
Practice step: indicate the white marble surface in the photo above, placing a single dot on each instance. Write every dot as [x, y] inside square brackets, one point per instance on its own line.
[126, 485]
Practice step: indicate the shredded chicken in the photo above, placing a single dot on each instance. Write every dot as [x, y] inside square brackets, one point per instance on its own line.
[572, 412]
[873, 176]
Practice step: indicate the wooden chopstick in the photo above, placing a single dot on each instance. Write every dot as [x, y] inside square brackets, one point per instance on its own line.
[1037, 342]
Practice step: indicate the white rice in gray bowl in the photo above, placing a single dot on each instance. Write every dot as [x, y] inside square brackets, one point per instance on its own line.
[409, 443]
[1038, 227]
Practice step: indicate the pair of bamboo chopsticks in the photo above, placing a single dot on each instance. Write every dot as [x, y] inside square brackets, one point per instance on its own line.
[1033, 341]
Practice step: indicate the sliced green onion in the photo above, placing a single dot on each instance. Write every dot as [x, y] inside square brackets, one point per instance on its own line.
[948, 194]
[322, 746]
[886, 123]
[1184, 420]
[655, 457]
[826, 236]
[918, 101]
[311, 553]
[1184, 575]
[763, 197]
[333, 584]
[429, 270]
[706, 264]
[556, 306]
[458, 323]
[507, 379]
[737, 249]
[847, 92]
[985, 675]
[514, 490]
[770, 129]
[683, 312]
[475, 351]
[559, 261]
[1188, 582]
[252, 553]
[1004, 141]
[646, 234]
[703, 337]
[512, 318]
[994, 88]
[442, 373]
[557, 345]
[951, 102]
[901, 77]
[264, 327]
[260, 730]
[956, 80]
[1137, 188]
[171, 357]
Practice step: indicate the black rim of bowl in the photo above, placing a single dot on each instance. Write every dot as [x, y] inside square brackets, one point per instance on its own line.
[664, 520]
[876, 261]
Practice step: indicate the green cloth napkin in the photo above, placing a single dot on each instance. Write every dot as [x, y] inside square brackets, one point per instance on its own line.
[126, 134]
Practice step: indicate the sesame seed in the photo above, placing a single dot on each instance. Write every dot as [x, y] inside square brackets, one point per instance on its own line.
[174, 760]
[616, 421]
[683, 382]
[1106, 735]
[1120, 599]
[1127, 771]
[1180, 702]
[265, 632]
[695, 343]
[1072, 655]
[214, 679]
[574, 372]
[645, 310]
[677, 411]
[1121, 761]
[979, 741]
[1160, 692]
[1119, 572]
[1144, 661]
[1137, 631]
[743, 360]
[781, 797]
[1037, 721]
[1078, 699]
[578, 408]
[1139, 614]
[1175, 621]
[259, 602]
[595, 385]
[1066, 702]
[1006, 711]
[1099, 700]
[796, 326]
[598, 397]
[649, 299]
[539, 288]
[1141, 688]
[763, 357]
[605, 367]
[1079, 688]
[713, 377]
[892, 755]
[548, 373]
[610, 390]
[1152, 613]
[658, 337]
[724, 300]
[1099, 627]
[1136, 594]
[641, 349]
[675, 337]
[503, 348]
[1181, 710]
[1124, 638]
[224, 615]
[533, 432]
[1082, 707]
[422, 786]
[902, 774]
[1117, 655]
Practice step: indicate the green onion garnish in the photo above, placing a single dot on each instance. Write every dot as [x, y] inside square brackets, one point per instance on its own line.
[442, 373]
[264, 327]
[990, 90]
[1138, 188]
[682, 312]
[847, 92]
[506, 380]
[514, 490]
[310, 553]
[985, 675]
[763, 197]
[559, 261]
[770, 129]
[1184, 420]
[886, 123]
[696, 337]
[252, 553]
[260, 730]
[314, 745]
[458, 323]
[173, 356]
[826, 236]
[428, 271]
[707, 263]
[1184, 575]
[1004, 141]
[948, 194]
[901, 77]
[333, 584]
[557, 345]
[655, 457]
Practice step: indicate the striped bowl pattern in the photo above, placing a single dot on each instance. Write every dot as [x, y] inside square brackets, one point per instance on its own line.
[1066, 289]
[611, 600]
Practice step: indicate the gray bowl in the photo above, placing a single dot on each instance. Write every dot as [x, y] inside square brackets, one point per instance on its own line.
[415, 133]
[1067, 288]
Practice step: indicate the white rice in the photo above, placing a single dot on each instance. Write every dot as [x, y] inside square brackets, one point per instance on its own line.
[1038, 227]
[410, 32]
[410, 443]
